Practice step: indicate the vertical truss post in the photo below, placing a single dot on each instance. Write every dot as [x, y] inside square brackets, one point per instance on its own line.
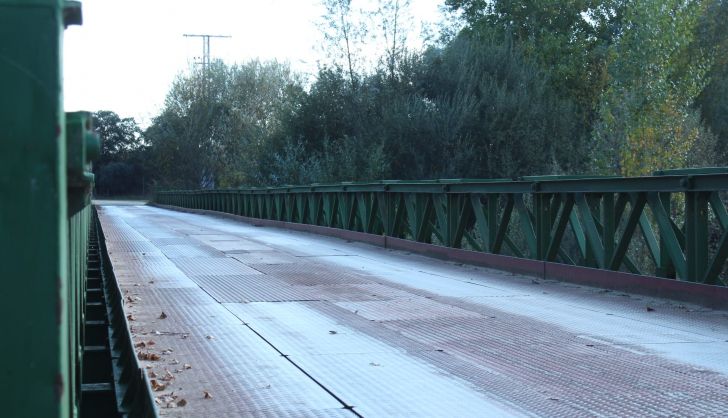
[696, 234]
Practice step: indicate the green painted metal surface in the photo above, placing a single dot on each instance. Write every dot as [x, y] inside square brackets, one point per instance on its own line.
[673, 224]
[44, 214]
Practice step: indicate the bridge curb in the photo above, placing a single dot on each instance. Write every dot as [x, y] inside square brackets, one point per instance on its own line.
[715, 297]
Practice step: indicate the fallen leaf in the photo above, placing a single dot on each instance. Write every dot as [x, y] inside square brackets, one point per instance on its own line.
[130, 317]
[148, 356]
[167, 376]
[650, 309]
[181, 402]
[156, 386]
[174, 361]
[185, 336]
[374, 364]
[163, 315]
[210, 337]
[152, 374]
[187, 366]
[150, 342]
[332, 332]
[167, 351]
[206, 394]
[140, 344]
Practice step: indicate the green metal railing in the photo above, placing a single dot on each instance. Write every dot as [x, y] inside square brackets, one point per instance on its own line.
[45, 223]
[673, 224]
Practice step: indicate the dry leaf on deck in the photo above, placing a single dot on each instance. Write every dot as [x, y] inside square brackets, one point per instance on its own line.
[148, 356]
[156, 386]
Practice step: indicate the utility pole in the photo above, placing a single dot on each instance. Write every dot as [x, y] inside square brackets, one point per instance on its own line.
[205, 47]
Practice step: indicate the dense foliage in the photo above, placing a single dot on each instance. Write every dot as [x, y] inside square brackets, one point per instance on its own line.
[521, 87]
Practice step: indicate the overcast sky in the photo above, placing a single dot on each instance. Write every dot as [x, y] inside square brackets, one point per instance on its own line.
[127, 53]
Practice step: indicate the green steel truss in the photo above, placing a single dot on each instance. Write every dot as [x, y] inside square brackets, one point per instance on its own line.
[673, 224]
[45, 214]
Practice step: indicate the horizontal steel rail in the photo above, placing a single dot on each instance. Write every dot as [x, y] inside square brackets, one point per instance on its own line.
[673, 224]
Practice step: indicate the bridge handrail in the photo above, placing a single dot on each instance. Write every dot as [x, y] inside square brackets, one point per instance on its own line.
[672, 224]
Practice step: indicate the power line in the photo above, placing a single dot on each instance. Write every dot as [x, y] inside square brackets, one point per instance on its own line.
[205, 47]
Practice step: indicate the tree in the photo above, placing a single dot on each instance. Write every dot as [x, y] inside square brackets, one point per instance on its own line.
[121, 167]
[567, 38]
[119, 137]
[217, 120]
[394, 21]
[501, 105]
[713, 100]
[344, 33]
[647, 120]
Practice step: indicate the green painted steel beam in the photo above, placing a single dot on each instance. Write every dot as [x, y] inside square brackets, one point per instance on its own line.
[479, 213]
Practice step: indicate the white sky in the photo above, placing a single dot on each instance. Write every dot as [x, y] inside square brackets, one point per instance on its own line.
[127, 53]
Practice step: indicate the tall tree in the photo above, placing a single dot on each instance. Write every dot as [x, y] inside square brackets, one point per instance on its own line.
[568, 39]
[344, 31]
[121, 167]
[394, 20]
[656, 70]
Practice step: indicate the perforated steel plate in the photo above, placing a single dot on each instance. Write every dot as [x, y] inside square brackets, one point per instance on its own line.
[264, 257]
[311, 274]
[251, 288]
[132, 246]
[213, 266]
[189, 251]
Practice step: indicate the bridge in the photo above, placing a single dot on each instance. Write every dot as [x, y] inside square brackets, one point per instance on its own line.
[534, 296]
[434, 298]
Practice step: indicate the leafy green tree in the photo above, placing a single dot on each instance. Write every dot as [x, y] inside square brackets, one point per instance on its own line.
[508, 120]
[217, 121]
[655, 74]
[713, 100]
[567, 38]
[119, 136]
[122, 166]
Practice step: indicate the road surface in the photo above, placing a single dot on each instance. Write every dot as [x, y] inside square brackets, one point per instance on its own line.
[237, 320]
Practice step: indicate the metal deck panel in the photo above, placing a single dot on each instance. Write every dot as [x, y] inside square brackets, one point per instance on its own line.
[189, 251]
[225, 242]
[310, 274]
[132, 246]
[213, 266]
[251, 288]
[404, 308]
[264, 257]
[373, 377]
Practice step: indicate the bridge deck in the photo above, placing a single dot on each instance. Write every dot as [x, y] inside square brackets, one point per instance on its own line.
[277, 323]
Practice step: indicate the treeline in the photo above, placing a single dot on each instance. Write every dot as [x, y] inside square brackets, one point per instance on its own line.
[572, 86]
